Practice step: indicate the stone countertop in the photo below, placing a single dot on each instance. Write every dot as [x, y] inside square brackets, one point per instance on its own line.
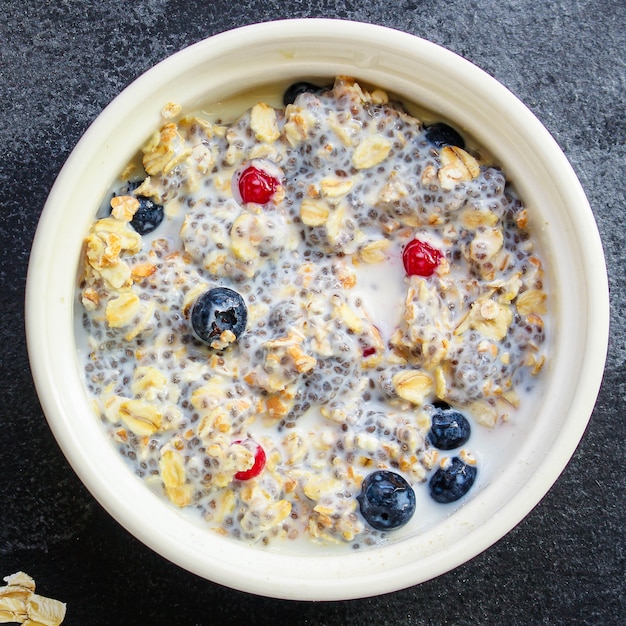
[61, 62]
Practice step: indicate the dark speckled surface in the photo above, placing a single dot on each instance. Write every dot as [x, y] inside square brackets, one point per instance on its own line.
[61, 62]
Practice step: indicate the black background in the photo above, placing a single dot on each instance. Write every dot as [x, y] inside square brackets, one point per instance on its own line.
[61, 62]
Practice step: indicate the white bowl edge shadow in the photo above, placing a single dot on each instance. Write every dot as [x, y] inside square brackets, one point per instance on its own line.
[421, 72]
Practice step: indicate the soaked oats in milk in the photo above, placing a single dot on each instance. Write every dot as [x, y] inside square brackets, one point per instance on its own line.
[295, 324]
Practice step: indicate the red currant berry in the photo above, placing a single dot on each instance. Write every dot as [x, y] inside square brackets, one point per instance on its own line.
[257, 185]
[420, 258]
[259, 460]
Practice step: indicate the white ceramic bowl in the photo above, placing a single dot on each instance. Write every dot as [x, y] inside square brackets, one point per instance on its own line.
[423, 73]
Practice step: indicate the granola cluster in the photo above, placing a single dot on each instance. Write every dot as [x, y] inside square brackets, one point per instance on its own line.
[328, 390]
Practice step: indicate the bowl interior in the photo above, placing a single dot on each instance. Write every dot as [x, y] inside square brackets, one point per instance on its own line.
[420, 72]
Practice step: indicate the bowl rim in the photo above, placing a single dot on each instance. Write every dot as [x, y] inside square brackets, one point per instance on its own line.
[324, 577]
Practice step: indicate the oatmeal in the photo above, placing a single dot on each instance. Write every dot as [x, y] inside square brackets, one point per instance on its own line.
[294, 325]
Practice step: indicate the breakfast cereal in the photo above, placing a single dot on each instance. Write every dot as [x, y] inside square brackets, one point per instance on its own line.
[374, 276]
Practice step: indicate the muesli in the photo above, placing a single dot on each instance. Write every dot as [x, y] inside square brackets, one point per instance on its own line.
[294, 323]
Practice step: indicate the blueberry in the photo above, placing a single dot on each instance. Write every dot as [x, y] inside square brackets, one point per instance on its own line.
[149, 215]
[216, 311]
[450, 483]
[386, 500]
[441, 134]
[449, 429]
[293, 91]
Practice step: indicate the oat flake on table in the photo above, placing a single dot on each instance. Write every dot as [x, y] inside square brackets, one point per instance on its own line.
[19, 604]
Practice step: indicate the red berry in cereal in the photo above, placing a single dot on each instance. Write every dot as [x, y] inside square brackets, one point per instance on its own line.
[259, 460]
[420, 258]
[257, 185]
